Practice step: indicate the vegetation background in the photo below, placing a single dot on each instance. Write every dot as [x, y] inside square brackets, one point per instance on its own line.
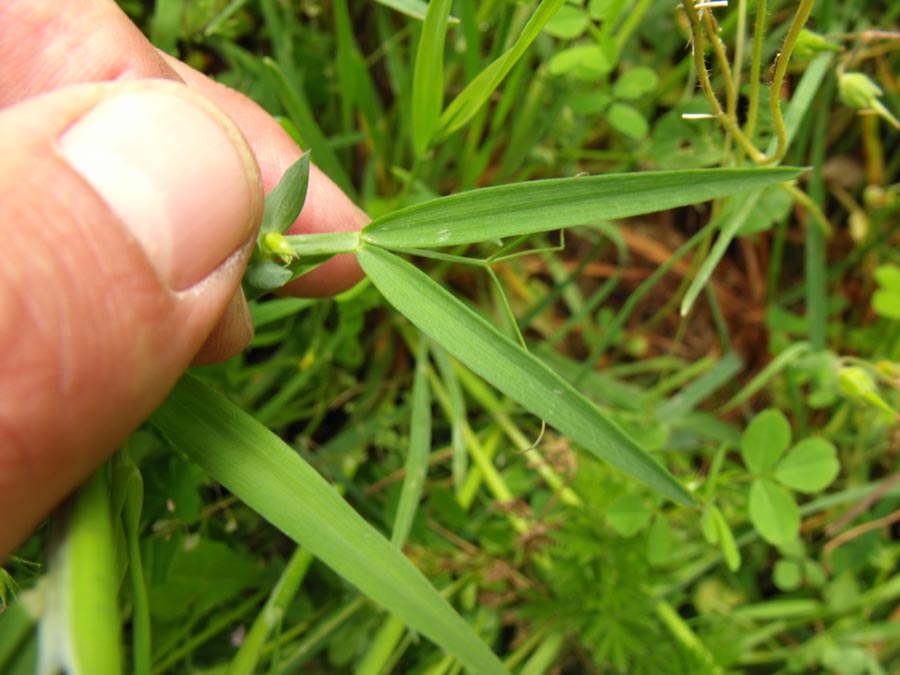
[752, 346]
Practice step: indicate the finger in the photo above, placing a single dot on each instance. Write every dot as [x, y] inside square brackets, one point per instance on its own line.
[126, 214]
[47, 44]
[327, 208]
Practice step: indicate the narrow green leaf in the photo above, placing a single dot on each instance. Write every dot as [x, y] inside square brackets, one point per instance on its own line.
[418, 450]
[518, 374]
[725, 537]
[541, 206]
[294, 100]
[428, 76]
[271, 478]
[412, 8]
[246, 661]
[477, 92]
[773, 512]
[80, 631]
[734, 220]
[285, 201]
[810, 466]
[456, 416]
[765, 440]
[128, 486]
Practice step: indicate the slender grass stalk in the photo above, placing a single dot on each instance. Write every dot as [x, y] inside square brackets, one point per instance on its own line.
[247, 659]
[418, 449]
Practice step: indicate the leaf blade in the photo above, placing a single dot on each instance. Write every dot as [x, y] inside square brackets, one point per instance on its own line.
[810, 466]
[541, 206]
[271, 478]
[477, 92]
[773, 512]
[428, 76]
[518, 374]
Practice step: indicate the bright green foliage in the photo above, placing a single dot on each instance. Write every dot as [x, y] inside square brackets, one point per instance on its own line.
[628, 515]
[416, 466]
[568, 23]
[628, 121]
[552, 559]
[810, 466]
[635, 83]
[476, 93]
[81, 627]
[285, 201]
[428, 75]
[542, 206]
[773, 511]
[587, 63]
[258, 467]
[717, 531]
[886, 300]
[765, 440]
[516, 373]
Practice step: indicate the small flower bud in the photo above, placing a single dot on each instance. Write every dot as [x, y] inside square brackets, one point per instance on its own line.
[275, 245]
[811, 44]
[859, 92]
[855, 382]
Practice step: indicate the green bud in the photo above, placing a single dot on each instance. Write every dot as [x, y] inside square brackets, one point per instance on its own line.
[275, 245]
[811, 44]
[860, 93]
[855, 382]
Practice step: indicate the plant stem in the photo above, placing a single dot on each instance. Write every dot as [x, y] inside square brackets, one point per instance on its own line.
[781, 64]
[728, 123]
[759, 29]
[326, 243]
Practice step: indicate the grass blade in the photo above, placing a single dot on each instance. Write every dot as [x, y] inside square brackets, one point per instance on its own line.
[271, 478]
[294, 100]
[734, 219]
[415, 9]
[80, 632]
[416, 467]
[428, 76]
[540, 206]
[470, 99]
[516, 373]
[456, 416]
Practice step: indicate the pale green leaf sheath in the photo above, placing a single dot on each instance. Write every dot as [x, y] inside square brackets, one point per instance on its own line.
[516, 373]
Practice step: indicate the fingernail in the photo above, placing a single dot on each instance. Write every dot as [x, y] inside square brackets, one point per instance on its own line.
[176, 172]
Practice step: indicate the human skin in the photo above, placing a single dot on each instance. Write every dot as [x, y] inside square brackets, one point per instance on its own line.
[131, 189]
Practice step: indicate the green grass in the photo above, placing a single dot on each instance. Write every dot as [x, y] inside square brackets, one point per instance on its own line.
[498, 453]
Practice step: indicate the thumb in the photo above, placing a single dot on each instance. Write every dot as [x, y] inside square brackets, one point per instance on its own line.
[126, 214]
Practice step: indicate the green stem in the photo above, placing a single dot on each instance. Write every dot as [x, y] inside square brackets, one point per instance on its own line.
[784, 59]
[246, 660]
[759, 29]
[728, 123]
[327, 243]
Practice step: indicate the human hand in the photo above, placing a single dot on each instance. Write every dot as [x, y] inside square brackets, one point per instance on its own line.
[131, 188]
